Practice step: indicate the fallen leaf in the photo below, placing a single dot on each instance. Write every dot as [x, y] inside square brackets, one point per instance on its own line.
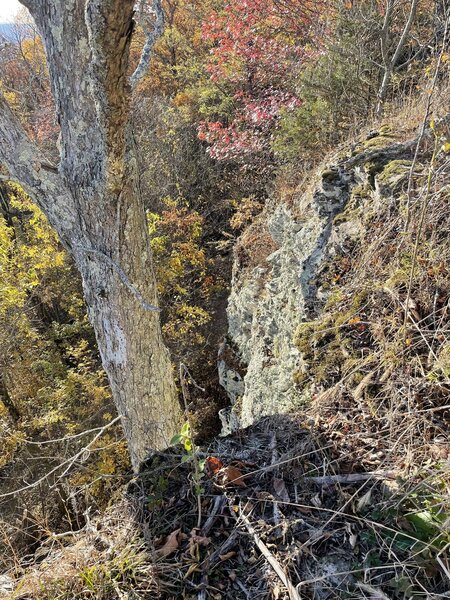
[364, 501]
[195, 541]
[192, 569]
[231, 476]
[280, 489]
[171, 544]
[227, 555]
[213, 465]
[201, 540]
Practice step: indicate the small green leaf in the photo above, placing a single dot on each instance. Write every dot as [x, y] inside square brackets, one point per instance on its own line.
[425, 525]
[176, 439]
[185, 429]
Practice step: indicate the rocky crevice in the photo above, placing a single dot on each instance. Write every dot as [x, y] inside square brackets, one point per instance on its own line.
[269, 302]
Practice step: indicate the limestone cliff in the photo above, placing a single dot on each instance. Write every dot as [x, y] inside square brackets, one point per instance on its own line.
[315, 247]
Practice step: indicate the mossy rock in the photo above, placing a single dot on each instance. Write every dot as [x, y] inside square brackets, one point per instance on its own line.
[361, 191]
[335, 298]
[394, 174]
[329, 174]
[379, 142]
[325, 343]
[373, 168]
[300, 378]
[303, 337]
[353, 208]
[387, 130]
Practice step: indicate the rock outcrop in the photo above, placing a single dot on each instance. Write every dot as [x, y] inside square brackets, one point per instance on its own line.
[268, 302]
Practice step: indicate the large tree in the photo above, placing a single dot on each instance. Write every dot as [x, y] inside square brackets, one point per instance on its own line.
[92, 199]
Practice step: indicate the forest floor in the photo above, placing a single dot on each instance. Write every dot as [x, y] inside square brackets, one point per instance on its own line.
[319, 506]
[324, 505]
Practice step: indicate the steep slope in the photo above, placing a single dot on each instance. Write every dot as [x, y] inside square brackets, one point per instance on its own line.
[339, 315]
[367, 236]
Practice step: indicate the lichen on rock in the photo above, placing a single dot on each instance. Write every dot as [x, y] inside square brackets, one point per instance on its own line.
[288, 317]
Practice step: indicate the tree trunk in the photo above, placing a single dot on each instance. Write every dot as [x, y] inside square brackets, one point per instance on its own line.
[391, 63]
[7, 401]
[119, 287]
[92, 199]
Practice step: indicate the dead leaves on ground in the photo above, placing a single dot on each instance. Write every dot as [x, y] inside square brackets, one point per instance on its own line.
[175, 539]
[225, 476]
[171, 544]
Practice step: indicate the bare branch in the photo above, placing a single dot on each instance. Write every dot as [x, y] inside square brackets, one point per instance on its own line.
[31, 5]
[40, 179]
[384, 33]
[405, 33]
[350, 478]
[273, 562]
[152, 37]
[69, 462]
[390, 63]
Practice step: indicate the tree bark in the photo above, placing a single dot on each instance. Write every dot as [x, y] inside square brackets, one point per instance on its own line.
[120, 291]
[92, 199]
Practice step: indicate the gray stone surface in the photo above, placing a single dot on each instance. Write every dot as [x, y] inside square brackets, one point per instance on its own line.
[267, 303]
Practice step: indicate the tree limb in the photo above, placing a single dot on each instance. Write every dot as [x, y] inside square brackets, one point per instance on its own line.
[389, 64]
[110, 26]
[31, 5]
[276, 566]
[41, 181]
[152, 37]
[18, 154]
[405, 32]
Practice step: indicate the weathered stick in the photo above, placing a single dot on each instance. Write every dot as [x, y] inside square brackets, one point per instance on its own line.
[351, 477]
[293, 594]
[219, 503]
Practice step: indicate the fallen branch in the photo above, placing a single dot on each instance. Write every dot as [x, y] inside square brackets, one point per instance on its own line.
[293, 594]
[212, 559]
[358, 392]
[351, 477]
[219, 503]
[215, 556]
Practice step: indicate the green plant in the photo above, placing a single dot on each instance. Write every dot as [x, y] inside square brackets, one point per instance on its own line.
[191, 455]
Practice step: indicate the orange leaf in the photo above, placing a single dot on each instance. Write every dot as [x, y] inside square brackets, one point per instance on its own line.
[231, 476]
[213, 464]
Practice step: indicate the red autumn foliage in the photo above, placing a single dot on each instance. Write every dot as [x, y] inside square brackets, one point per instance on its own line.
[257, 47]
